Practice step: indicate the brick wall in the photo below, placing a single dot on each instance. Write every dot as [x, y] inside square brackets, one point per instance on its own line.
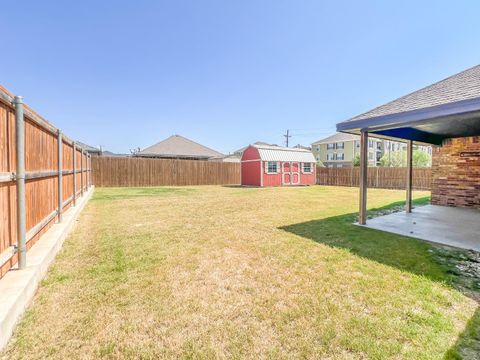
[456, 173]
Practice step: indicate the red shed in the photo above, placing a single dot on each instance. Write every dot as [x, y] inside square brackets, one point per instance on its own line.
[265, 165]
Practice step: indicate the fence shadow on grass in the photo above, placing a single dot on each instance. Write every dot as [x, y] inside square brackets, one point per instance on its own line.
[404, 253]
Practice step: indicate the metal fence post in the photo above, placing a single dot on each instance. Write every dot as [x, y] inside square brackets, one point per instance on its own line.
[81, 172]
[88, 171]
[60, 175]
[74, 173]
[20, 179]
[91, 172]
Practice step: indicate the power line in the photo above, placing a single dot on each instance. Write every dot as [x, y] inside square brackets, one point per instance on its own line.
[287, 136]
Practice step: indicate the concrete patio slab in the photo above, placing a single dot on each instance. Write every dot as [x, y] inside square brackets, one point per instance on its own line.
[18, 287]
[458, 227]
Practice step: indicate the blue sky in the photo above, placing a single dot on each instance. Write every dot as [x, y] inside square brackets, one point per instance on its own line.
[127, 74]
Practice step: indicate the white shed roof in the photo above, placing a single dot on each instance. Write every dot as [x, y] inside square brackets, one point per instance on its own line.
[279, 153]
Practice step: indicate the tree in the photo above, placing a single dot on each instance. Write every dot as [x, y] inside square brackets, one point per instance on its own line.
[356, 160]
[421, 159]
[399, 159]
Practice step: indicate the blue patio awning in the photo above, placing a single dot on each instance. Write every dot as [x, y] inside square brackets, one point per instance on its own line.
[426, 125]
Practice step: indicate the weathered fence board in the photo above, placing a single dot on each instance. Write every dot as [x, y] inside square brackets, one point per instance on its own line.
[127, 171]
[378, 177]
[42, 177]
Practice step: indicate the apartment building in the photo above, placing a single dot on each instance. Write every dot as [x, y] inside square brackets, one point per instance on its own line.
[340, 149]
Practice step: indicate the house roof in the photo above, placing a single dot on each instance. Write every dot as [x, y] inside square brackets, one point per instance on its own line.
[240, 151]
[88, 148]
[337, 137]
[300, 146]
[177, 146]
[462, 86]
[446, 109]
[279, 153]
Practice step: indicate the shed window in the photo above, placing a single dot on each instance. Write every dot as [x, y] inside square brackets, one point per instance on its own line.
[271, 167]
[307, 167]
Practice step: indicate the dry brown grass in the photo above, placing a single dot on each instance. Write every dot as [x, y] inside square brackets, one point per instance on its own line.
[216, 272]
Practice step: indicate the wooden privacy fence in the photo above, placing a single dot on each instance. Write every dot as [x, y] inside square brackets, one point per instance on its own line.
[128, 171]
[378, 177]
[42, 173]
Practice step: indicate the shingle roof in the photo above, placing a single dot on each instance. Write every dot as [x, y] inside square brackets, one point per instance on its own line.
[337, 137]
[240, 151]
[462, 86]
[179, 147]
[89, 148]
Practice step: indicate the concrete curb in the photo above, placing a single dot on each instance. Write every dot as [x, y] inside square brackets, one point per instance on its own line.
[18, 287]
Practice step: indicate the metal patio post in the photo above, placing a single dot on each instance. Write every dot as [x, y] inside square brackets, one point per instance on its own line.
[362, 219]
[408, 205]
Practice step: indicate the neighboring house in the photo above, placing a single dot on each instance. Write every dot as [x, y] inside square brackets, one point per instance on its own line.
[111, 154]
[300, 146]
[266, 165]
[97, 151]
[339, 150]
[239, 152]
[179, 147]
[236, 156]
[90, 149]
[231, 158]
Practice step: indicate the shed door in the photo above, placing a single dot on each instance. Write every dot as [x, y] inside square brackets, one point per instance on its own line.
[286, 174]
[291, 173]
[295, 173]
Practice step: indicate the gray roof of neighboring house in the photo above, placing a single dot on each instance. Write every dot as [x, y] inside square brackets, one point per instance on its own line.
[109, 153]
[337, 137]
[300, 146]
[240, 151]
[177, 146]
[231, 158]
[88, 148]
[462, 86]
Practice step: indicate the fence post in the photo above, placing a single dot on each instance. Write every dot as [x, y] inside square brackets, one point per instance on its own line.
[91, 173]
[81, 172]
[89, 170]
[74, 173]
[87, 183]
[60, 175]
[20, 179]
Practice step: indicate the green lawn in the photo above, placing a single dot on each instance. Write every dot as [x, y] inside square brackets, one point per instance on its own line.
[230, 272]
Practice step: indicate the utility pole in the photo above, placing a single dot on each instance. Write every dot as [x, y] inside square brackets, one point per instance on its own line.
[287, 136]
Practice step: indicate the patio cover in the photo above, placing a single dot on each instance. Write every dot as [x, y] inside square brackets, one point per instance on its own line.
[447, 109]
